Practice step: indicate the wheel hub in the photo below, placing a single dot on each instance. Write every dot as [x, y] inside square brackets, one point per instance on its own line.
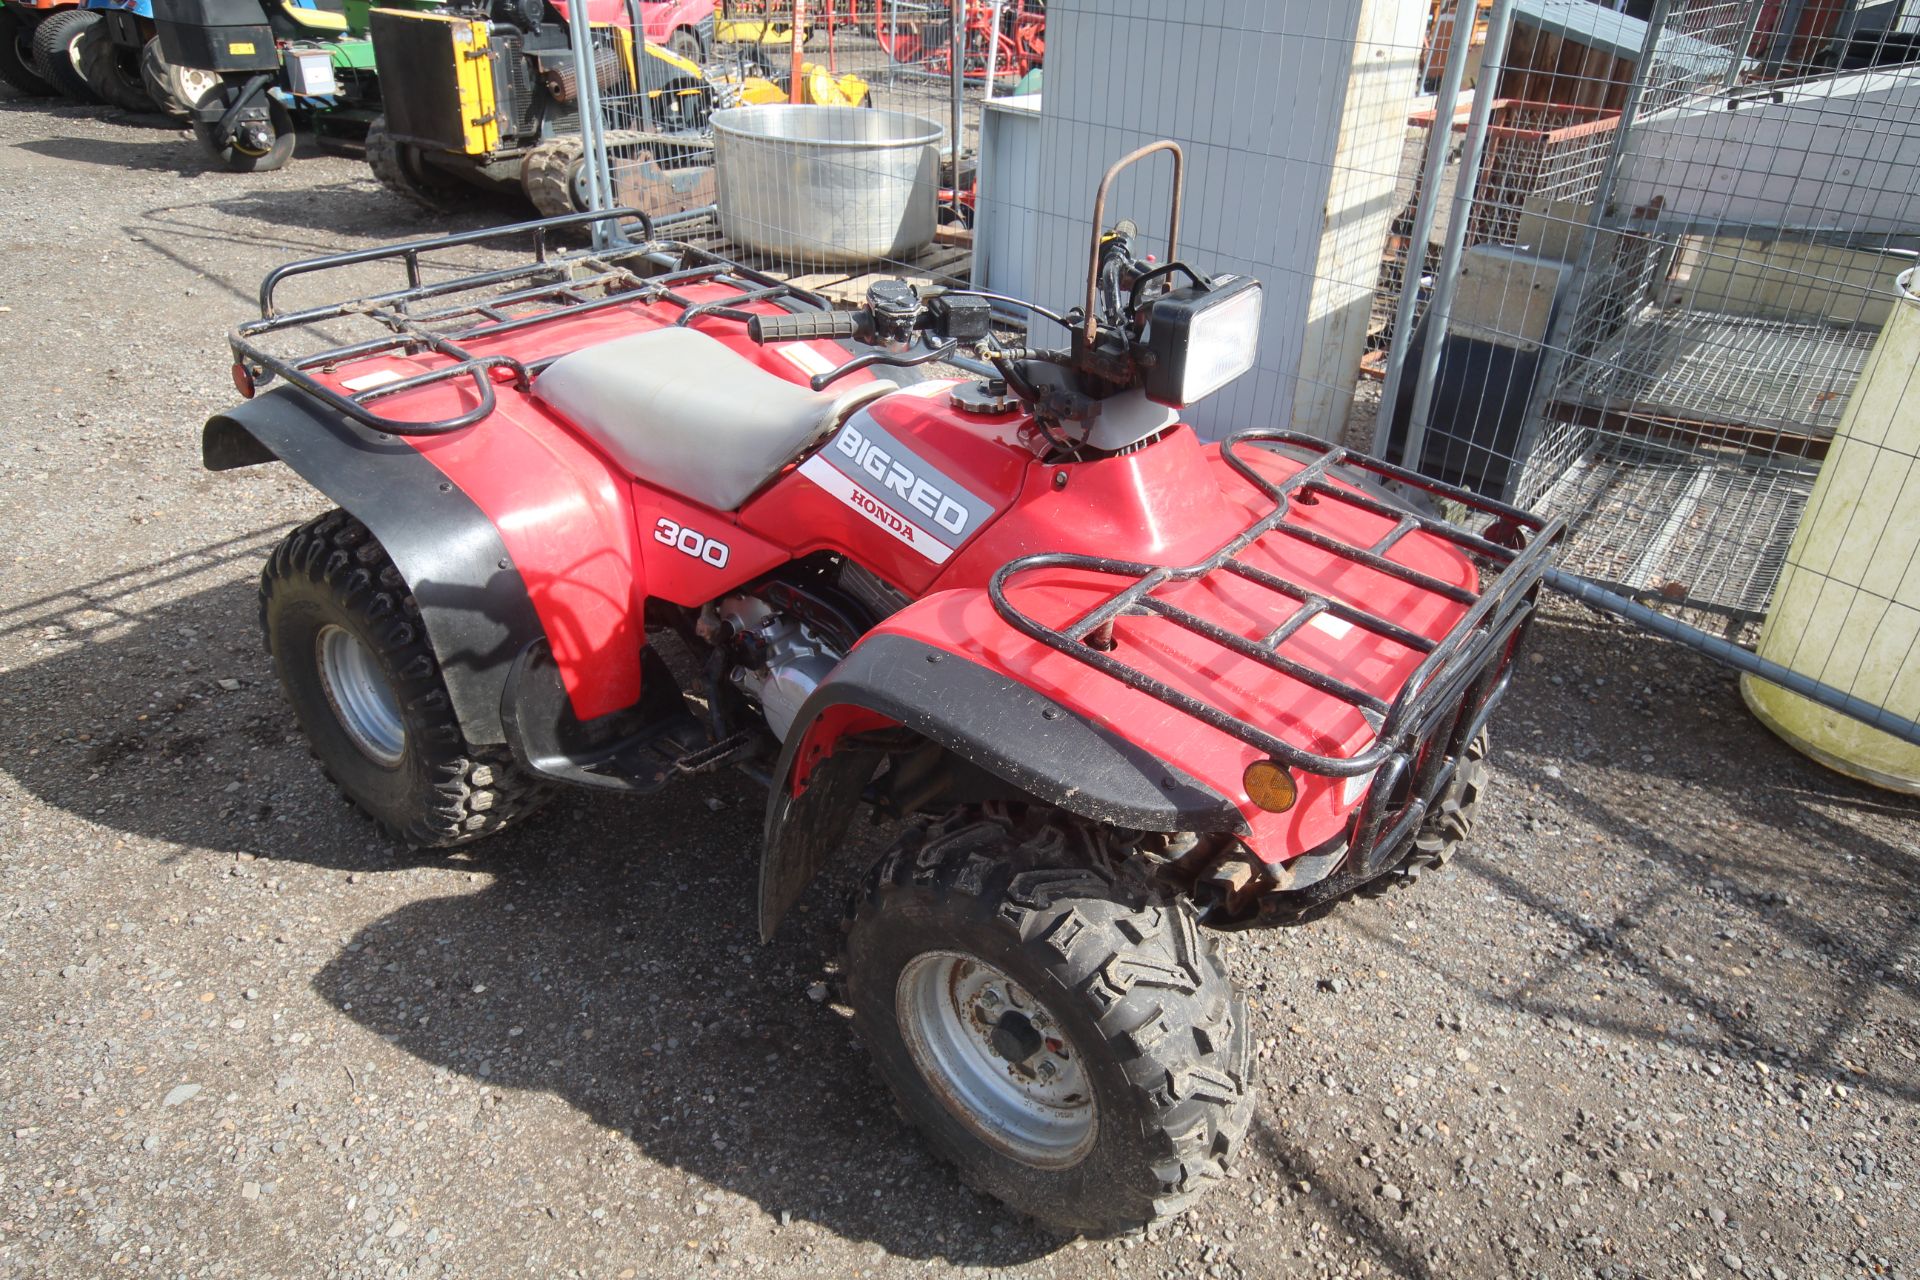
[362, 700]
[997, 1058]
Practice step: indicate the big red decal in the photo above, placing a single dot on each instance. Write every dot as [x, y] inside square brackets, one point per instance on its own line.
[866, 468]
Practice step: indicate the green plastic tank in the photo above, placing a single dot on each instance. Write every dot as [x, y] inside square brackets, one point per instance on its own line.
[1847, 608]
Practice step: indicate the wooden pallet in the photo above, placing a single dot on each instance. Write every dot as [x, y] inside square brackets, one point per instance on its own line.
[947, 261]
[936, 264]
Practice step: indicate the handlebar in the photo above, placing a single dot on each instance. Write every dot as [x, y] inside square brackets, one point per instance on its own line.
[807, 325]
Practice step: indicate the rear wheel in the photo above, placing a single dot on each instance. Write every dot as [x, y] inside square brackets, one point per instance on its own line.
[1074, 1048]
[56, 52]
[175, 90]
[112, 70]
[16, 57]
[254, 146]
[403, 170]
[355, 661]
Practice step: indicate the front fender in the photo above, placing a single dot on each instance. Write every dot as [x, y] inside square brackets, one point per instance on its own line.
[1039, 745]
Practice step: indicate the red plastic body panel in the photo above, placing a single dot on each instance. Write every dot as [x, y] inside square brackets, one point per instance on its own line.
[1173, 503]
[988, 457]
[659, 18]
[581, 531]
[592, 542]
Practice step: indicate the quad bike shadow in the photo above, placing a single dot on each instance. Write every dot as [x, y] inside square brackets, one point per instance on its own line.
[636, 989]
[644, 995]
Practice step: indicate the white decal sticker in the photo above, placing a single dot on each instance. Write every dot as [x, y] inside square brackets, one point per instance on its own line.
[843, 487]
[808, 361]
[367, 381]
[689, 543]
[1335, 627]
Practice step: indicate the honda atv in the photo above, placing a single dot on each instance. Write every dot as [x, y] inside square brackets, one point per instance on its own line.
[613, 518]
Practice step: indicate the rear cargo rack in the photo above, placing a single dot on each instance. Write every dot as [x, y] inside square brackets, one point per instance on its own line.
[1459, 676]
[445, 316]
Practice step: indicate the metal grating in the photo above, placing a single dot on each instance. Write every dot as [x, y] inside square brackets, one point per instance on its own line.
[1701, 528]
[1703, 366]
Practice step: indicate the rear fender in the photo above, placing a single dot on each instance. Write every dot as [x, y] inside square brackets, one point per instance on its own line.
[899, 677]
[489, 585]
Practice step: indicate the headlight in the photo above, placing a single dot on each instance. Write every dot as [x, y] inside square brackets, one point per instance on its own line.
[1202, 339]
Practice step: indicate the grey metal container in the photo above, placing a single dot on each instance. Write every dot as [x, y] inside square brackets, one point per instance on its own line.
[827, 184]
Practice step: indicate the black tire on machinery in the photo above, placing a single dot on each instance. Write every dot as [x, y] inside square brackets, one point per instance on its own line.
[242, 161]
[445, 791]
[17, 66]
[400, 170]
[547, 176]
[53, 53]
[162, 81]
[104, 64]
[1130, 979]
[686, 43]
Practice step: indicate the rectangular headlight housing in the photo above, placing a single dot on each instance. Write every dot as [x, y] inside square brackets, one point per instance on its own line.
[1202, 339]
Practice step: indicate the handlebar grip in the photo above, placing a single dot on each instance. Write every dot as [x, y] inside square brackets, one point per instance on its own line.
[806, 324]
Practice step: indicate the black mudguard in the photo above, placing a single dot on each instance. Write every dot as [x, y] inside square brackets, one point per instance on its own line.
[1038, 746]
[474, 604]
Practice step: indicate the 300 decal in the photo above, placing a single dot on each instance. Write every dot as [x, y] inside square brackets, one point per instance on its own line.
[692, 543]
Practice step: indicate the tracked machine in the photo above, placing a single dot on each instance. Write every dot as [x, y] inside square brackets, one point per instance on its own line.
[489, 96]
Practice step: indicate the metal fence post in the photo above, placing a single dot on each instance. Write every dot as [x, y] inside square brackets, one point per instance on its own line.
[957, 73]
[1426, 204]
[1553, 351]
[1440, 309]
[593, 139]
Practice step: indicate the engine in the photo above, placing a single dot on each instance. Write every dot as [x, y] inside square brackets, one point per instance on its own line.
[779, 657]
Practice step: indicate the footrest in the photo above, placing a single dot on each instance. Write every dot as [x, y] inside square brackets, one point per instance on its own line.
[717, 754]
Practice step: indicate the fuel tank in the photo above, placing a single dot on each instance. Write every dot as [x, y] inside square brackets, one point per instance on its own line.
[904, 487]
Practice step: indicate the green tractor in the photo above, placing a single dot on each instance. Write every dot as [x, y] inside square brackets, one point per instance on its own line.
[251, 69]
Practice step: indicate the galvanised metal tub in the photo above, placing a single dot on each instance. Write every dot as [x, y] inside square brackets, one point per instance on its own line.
[829, 185]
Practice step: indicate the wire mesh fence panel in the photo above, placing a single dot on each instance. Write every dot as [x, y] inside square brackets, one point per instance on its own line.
[835, 144]
[1660, 338]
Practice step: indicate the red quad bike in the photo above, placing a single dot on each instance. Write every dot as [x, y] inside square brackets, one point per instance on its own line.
[612, 517]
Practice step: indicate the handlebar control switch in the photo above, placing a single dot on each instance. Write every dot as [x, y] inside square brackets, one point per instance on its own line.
[895, 307]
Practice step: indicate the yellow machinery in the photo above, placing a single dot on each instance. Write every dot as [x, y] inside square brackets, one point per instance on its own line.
[490, 97]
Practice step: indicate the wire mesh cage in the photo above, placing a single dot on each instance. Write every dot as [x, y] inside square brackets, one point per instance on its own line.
[1536, 155]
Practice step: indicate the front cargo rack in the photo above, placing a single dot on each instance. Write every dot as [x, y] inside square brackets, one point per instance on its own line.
[1450, 693]
[443, 316]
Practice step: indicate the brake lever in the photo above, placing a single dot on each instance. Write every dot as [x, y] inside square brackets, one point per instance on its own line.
[821, 381]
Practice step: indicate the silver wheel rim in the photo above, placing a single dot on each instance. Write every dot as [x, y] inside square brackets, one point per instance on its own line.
[997, 1058]
[361, 698]
[191, 84]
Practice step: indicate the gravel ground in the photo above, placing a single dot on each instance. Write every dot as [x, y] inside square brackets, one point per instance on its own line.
[1659, 1021]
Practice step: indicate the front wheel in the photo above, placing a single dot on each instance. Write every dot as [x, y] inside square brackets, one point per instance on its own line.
[356, 663]
[251, 146]
[1074, 1048]
[402, 169]
[686, 44]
